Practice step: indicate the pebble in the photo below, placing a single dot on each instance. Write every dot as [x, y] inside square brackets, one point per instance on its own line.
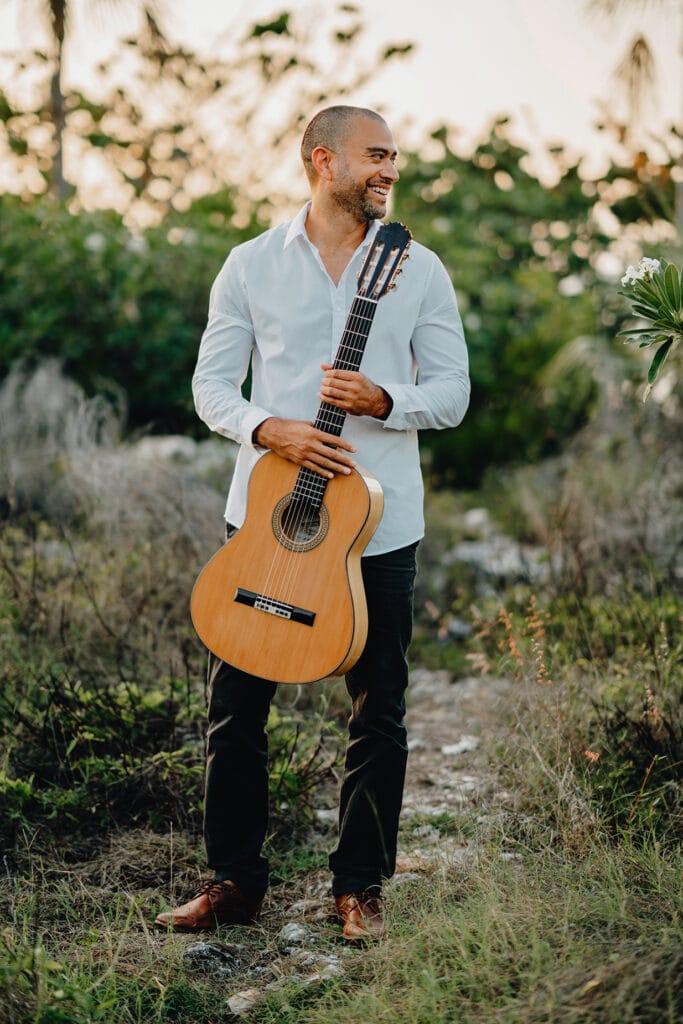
[242, 1002]
[294, 934]
[326, 815]
[302, 907]
[464, 745]
[201, 956]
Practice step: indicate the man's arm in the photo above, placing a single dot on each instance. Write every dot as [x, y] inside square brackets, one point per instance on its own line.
[222, 366]
[441, 395]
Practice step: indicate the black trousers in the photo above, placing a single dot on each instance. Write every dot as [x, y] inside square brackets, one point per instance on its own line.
[236, 805]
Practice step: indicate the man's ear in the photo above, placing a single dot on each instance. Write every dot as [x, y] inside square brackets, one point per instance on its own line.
[321, 158]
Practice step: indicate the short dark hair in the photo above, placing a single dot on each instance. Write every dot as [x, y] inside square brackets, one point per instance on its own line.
[329, 128]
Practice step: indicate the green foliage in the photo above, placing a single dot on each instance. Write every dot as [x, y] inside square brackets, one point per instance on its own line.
[655, 296]
[544, 940]
[508, 242]
[160, 119]
[121, 311]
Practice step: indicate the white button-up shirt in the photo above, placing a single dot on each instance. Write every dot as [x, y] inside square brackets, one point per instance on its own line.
[274, 306]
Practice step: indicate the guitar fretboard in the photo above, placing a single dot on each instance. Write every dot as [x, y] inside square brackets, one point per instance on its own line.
[309, 484]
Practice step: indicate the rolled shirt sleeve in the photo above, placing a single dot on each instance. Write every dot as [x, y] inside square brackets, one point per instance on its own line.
[275, 308]
[440, 397]
[223, 361]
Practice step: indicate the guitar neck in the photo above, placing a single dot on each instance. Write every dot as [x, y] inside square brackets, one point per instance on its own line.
[348, 357]
[311, 485]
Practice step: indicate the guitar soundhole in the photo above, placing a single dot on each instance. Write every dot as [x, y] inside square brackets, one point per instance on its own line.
[297, 525]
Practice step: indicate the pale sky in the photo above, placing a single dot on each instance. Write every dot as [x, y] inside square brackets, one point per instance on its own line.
[545, 62]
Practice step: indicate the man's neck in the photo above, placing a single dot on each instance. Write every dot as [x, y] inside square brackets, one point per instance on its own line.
[334, 229]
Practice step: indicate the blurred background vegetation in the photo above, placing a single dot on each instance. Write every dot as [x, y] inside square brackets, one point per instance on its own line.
[105, 524]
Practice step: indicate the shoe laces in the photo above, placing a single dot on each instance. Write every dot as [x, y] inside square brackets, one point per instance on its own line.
[214, 887]
[368, 902]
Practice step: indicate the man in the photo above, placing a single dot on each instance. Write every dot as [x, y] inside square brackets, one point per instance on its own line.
[280, 304]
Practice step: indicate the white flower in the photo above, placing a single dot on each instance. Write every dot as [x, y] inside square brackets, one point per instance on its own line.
[642, 272]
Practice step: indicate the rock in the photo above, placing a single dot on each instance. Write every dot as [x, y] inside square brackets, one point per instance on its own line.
[330, 971]
[477, 521]
[427, 832]
[326, 815]
[463, 746]
[502, 559]
[242, 1002]
[415, 743]
[302, 907]
[404, 878]
[458, 629]
[295, 934]
[425, 682]
[208, 959]
[408, 865]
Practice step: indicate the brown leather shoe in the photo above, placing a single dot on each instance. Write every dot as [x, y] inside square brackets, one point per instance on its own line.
[361, 914]
[215, 903]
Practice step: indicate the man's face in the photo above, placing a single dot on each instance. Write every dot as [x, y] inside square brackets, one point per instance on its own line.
[365, 170]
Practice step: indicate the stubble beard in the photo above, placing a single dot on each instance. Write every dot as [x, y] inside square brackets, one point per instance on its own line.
[354, 199]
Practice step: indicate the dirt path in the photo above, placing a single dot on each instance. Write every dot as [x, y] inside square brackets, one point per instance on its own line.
[451, 785]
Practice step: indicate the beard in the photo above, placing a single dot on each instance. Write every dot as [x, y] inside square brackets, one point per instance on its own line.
[355, 199]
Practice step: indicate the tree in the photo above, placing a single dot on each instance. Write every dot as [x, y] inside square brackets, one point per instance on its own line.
[56, 14]
[637, 72]
[522, 258]
[214, 117]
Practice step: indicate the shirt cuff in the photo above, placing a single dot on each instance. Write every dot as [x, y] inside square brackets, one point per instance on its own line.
[396, 420]
[252, 419]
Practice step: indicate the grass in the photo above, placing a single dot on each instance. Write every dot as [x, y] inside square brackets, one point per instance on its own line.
[565, 905]
[547, 936]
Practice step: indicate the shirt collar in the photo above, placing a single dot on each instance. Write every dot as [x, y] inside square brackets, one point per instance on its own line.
[297, 228]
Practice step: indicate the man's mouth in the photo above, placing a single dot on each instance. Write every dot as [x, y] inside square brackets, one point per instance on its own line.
[381, 191]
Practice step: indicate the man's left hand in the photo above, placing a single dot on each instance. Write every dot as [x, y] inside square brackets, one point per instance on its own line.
[353, 392]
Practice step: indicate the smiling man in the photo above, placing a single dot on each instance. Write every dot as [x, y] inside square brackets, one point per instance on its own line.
[279, 305]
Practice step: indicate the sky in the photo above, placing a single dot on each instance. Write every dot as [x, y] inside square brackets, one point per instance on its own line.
[547, 63]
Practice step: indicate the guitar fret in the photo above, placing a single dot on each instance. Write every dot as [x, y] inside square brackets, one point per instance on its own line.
[310, 486]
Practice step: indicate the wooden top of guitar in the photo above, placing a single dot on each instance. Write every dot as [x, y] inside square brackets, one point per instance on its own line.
[284, 599]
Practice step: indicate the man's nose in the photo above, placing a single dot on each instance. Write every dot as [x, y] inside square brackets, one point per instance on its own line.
[389, 171]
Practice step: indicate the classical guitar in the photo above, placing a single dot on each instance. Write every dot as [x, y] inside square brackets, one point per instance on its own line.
[283, 599]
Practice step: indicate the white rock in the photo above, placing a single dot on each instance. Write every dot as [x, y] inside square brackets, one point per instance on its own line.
[295, 934]
[327, 815]
[463, 746]
[242, 1002]
[326, 973]
[415, 743]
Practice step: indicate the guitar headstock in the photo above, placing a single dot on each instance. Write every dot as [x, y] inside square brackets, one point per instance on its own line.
[382, 265]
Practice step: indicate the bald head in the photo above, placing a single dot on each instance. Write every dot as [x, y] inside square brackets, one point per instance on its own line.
[330, 128]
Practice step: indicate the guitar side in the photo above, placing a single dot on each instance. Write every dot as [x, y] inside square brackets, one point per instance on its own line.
[292, 616]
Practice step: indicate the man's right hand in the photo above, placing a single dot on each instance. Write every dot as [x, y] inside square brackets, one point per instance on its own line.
[303, 444]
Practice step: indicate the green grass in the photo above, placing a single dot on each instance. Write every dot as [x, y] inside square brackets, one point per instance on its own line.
[547, 938]
[568, 908]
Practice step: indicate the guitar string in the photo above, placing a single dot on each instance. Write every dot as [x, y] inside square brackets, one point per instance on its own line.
[331, 419]
[348, 357]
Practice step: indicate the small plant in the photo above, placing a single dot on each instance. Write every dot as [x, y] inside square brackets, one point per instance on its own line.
[655, 289]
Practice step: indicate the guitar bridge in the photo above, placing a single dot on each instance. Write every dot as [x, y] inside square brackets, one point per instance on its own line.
[270, 605]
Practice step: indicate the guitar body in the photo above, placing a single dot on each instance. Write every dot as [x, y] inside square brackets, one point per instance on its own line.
[283, 599]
